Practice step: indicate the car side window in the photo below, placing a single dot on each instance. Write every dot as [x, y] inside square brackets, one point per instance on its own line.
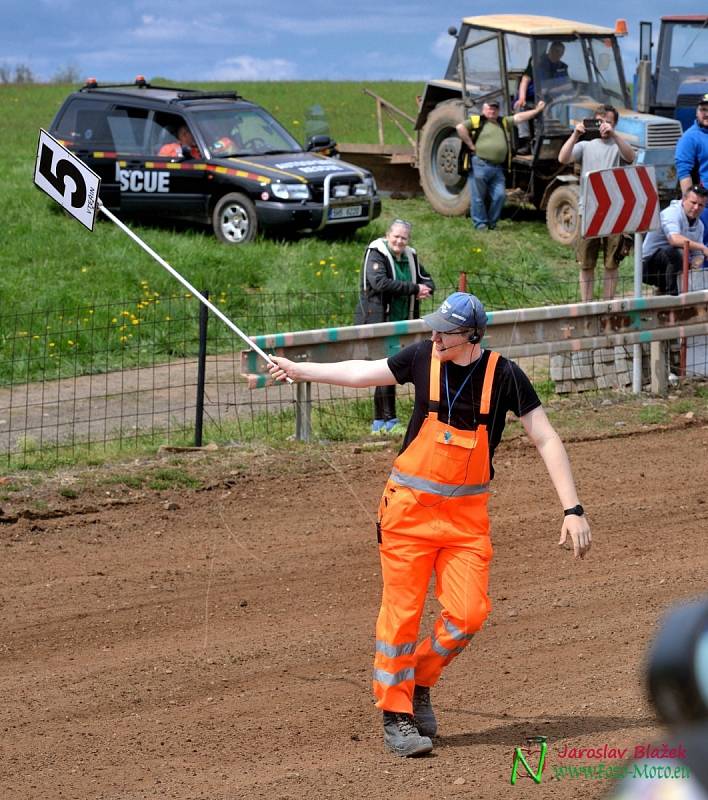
[84, 124]
[163, 133]
[128, 127]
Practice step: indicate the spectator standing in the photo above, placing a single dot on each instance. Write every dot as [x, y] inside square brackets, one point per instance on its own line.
[488, 137]
[692, 156]
[662, 253]
[605, 152]
[392, 283]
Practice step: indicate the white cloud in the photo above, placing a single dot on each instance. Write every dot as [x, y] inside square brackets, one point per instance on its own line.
[442, 46]
[312, 26]
[248, 68]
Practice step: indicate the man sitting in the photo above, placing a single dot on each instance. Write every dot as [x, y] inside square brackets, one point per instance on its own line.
[184, 139]
[662, 253]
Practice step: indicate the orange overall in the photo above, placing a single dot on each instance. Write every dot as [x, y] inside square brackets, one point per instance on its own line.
[433, 516]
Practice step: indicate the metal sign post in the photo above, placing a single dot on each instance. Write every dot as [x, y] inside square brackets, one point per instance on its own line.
[623, 200]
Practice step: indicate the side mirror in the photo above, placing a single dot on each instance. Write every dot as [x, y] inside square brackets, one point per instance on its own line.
[320, 142]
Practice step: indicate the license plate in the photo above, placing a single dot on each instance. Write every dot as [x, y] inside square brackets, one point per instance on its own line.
[343, 212]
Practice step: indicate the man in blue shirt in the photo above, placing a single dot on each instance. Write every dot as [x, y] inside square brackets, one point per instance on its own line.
[692, 156]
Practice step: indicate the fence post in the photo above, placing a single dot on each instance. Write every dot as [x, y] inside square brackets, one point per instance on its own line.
[462, 282]
[303, 411]
[659, 361]
[201, 371]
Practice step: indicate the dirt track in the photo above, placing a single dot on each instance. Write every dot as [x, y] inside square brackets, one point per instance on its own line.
[223, 649]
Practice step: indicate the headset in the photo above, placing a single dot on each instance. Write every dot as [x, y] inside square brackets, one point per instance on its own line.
[473, 338]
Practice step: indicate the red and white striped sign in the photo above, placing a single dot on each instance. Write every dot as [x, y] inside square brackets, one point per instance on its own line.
[620, 200]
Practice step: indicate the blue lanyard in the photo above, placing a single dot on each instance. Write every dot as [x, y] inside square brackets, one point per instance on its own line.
[457, 393]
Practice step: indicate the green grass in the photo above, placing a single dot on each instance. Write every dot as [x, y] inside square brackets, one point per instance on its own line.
[76, 302]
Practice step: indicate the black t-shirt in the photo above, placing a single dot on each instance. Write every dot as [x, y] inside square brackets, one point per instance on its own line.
[511, 391]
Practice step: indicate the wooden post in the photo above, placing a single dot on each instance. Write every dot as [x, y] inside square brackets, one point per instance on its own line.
[462, 282]
[379, 120]
[659, 364]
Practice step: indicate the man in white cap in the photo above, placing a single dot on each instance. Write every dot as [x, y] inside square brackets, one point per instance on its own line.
[433, 514]
[692, 156]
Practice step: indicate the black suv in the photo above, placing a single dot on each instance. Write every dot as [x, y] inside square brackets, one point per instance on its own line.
[211, 157]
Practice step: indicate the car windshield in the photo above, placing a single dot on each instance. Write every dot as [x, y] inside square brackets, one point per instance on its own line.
[579, 67]
[684, 55]
[240, 132]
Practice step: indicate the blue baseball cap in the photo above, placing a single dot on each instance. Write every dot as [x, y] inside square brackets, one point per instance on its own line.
[459, 310]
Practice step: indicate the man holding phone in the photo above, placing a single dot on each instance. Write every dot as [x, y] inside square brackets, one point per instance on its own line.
[605, 151]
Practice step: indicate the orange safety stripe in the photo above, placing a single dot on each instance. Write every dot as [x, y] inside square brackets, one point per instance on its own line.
[434, 381]
[488, 380]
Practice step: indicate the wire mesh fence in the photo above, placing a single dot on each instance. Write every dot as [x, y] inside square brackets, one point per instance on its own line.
[122, 374]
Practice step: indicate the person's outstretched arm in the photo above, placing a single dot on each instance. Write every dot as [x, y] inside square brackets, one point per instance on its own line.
[356, 374]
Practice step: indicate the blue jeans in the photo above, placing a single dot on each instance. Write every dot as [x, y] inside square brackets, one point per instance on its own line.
[487, 190]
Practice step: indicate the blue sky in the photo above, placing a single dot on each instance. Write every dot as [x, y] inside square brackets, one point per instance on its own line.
[269, 39]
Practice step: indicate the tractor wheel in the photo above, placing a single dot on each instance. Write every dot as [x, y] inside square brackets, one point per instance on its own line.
[443, 185]
[562, 217]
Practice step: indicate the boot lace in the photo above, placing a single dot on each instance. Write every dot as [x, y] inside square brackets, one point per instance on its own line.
[405, 725]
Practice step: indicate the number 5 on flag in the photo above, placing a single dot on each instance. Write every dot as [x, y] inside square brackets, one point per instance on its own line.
[67, 180]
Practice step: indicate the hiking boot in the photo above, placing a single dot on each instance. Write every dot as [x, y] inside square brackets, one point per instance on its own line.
[401, 736]
[423, 713]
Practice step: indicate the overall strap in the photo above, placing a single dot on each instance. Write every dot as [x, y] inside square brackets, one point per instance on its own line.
[488, 381]
[434, 400]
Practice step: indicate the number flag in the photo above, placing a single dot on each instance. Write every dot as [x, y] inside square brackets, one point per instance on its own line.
[620, 200]
[67, 180]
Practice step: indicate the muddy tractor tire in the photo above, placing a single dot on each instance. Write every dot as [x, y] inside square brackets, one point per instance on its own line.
[562, 216]
[443, 185]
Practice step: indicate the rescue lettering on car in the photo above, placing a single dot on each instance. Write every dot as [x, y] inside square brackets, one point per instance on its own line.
[142, 180]
[311, 165]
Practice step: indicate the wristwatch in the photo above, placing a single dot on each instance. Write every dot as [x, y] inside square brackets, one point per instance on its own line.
[577, 511]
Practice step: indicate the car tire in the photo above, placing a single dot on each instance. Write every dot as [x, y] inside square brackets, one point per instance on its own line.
[562, 216]
[444, 187]
[234, 219]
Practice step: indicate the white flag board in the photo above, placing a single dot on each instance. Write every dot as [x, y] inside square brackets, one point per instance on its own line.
[67, 180]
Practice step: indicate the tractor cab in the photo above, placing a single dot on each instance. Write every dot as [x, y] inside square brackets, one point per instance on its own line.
[573, 67]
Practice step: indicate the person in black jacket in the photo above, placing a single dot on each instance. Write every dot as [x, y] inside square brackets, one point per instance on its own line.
[392, 282]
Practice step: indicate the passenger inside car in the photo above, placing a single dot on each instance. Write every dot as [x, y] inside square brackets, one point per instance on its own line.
[184, 139]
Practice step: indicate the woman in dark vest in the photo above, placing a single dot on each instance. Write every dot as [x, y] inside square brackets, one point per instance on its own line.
[392, 282]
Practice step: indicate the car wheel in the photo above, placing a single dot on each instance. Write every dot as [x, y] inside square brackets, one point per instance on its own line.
[562, 217]
[234, 219]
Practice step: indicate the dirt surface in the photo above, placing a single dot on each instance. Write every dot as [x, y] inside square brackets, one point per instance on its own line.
[216, 642]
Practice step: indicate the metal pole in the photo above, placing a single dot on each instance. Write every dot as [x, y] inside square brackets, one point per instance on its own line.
[201, 372]
[303, 411]
[684, 289]
[637, 348]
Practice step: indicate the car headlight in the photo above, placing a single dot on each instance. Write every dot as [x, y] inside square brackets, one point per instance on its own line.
[290, 191]
[370, 181]
[362, 189]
